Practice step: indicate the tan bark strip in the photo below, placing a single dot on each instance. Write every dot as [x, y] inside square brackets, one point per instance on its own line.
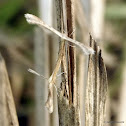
[10, 112]
[3, 102]
[61, 25]
[73, 86]
[102, 90]
[59, 15]
[71, 51]
[96, 90]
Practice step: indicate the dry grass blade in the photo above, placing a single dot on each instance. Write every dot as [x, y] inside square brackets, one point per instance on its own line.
[31, 19]
[8, 116]
[96, 88]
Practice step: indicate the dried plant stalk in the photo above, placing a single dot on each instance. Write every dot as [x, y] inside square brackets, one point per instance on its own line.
[9, 116]
[96, 90]
[61, 26]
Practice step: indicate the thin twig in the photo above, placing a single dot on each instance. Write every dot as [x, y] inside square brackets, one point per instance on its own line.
[31, 19]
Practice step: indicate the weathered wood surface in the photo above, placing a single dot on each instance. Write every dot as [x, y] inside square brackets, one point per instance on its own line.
[96, 90]
[8, 116]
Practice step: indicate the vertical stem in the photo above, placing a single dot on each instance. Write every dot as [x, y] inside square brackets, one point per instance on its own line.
[97, 17]
[41, 66]
[82, 64]
[59, 14]
[71, 56]
[96, 90]
[71, 53]
[61, 25]
[42, 63]
[7, 107]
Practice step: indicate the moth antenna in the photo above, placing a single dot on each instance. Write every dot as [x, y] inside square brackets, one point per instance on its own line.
[34, 72]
